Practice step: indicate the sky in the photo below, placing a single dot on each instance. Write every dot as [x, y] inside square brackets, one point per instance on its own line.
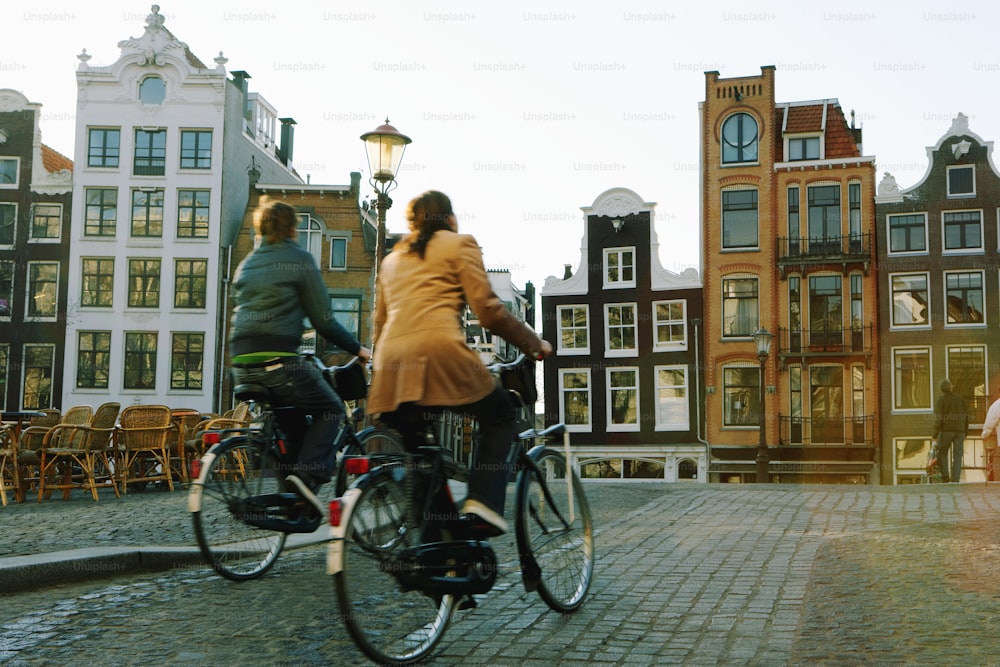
[525, 111]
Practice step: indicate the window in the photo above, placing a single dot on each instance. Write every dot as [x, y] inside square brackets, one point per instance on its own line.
[152, 90]
[619, 267]
[186, 357]
[619, 324]
[144, 283]
[741, 395]
[147, 213]
[8, 223]
[623, 399]
[794, 231]
[196, 149]
[826, 312]
[967, 371]
[964, 297]
[794, 313]
[93, 360]
[573, 329]
[98, 282]
[740, 316]
[338, 252]
[103, 147]
[150, 153]
[672, 412]
[192, 213]
[37, 387]
[46, 221]
[824, 219]
[908, 233]
[739, 218]
[574, 404]
[910, 300]
[962, 230]
[961, 181]
[854, 216]
[803, 148]
[739, 139]
[43, 289]
[6, 288]
[9, 168]
[140, 360]
[911, 379]
[310, 236]
[347, 311]
[190, 283]
[4, 367]
[669, 324]
[101, 212]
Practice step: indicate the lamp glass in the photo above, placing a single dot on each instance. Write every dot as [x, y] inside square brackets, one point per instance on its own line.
[762, 339]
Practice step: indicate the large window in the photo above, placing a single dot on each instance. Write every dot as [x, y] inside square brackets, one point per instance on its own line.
[347, 311]
[147, 213]
[196, 149]
[908, 233]
[190, 283]
[826, 311]
[739, 219]
[101, 212]
[338, 253]
[803, 148]
[9, 168]
[739, 139]
[6, 288]
[794, 230]
[140, 360]
[619, 267]
[911, 379]
[961, 181]
[93, 361]
[103, 147]
[672, 412]
[741, 395]
[623, 399]
[740, 315]
[910, 299]
[824, 219]
[150, 152]
[310, 236]
[669, 324]
[8, 223]
[192, 214]
[144, 283]
[962, 230]
[573, 329]
[98, 283]
[964, 297]
[186, 360]
[43, 289]
[574, 394]
[37, 388]
[46, 222]
[968, 374]
[620, 328]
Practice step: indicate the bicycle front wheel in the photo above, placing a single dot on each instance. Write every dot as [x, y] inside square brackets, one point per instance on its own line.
[373, 441]
[233, 474]
[554, 526]
[390, 623]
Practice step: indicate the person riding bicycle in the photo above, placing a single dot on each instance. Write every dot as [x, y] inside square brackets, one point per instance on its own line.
[422, 362]
[275, 288]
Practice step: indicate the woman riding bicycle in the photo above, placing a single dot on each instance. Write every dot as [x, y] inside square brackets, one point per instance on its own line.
[423, 363]
[275, 288]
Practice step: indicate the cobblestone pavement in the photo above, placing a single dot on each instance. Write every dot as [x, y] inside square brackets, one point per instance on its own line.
[685, 574]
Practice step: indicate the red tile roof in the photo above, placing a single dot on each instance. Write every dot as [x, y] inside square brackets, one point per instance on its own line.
[796, 119]
[804, 119]
[840, 140]
[54, 161]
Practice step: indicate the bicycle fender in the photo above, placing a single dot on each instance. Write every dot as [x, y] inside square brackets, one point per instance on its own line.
[198, 486]
[335, 550]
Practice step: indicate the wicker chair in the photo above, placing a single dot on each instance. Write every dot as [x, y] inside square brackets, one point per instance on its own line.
[29, 455]
[185, 420]
[10, 478]
[73, 456]
[194, 444]
[143, 446]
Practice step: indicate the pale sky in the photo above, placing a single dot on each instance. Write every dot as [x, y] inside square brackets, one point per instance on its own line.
[525, 111]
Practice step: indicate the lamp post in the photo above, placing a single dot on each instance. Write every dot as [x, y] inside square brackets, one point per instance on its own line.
[762, 340]
[385, 145]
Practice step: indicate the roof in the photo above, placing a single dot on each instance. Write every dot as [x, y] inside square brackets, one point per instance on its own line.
[825, 117]
[54, 161]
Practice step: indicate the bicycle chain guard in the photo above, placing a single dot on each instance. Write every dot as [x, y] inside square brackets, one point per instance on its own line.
[281, 512]
[448, 568]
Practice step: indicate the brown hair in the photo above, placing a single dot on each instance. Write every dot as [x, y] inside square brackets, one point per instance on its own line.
[274, 220]
[427, 214]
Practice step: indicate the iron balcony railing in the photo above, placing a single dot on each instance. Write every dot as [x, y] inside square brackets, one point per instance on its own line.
[847, 340]
[806, 248]
[858, 430]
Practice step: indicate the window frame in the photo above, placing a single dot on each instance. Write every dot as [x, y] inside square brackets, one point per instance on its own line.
[310, 237]
[12, 208]
[349, 318]
[137, 350]
[927, 369]
[99, 356]
[747, 369]
[105, 282]
[737, 299]
[149, 155]
[609, 393]
[15, 180]
[142, 93]
[149, 220]
[586, 390]
[194, 206]
[26, 368]
[731, 217]
[725, 146]
[145, 275]
[945, 275]
[101, 224]
[624, 306]
[926, 323]
[31, 294]
[561, 348]
[198, 161]
[191, 288]
[907, 228]
[660, 424]
[658, 324]
[181, 360]
[58, 217]
[948, 182]
[103, 155]
[334, 239]
[963, 225]
[8, 267]
[622, 268]
[804, 141]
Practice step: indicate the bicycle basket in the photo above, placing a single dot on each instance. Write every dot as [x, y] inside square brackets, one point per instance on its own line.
[521, 379]
[351, 383]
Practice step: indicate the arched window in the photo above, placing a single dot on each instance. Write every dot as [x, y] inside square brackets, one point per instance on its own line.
[739, 139]
[152, 90]
[310, 236]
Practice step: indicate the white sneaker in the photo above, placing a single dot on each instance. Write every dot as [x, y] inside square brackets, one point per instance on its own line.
[307, 494]
[485, 513]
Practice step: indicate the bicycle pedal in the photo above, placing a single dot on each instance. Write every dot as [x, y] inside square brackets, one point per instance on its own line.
[467, 602]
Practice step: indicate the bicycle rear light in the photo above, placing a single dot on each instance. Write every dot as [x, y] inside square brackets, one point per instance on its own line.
[196, 469]
[357, 465]
[211, 438]
[336, 512]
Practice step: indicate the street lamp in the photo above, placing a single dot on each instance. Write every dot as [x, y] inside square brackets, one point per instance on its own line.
[762, 340]
[385, 146]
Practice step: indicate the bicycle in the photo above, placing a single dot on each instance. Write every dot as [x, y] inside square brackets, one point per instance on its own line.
[401, 567]
[241, 510]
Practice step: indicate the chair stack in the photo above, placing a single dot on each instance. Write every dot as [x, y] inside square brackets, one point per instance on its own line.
[143, 443]
[75, 456]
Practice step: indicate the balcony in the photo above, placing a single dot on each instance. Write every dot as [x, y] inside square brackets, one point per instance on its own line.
[149, 166]
[845, 431]
[803, 343]
[805, 253]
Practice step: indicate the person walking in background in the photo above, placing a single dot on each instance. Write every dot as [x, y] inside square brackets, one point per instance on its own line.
[990, 441]
[951, 422]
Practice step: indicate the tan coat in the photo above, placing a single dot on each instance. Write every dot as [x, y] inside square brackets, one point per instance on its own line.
[420, 352]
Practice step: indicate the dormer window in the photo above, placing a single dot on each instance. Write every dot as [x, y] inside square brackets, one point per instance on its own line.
[961, 181]
[803, 148]
[152, 90]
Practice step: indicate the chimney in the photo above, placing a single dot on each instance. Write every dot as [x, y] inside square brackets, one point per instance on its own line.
[567, 271]
[287, 139]
[356, 184]
[241, 78]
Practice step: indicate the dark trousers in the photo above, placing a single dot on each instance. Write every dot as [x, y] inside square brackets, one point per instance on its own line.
[313, 419]
[951, 442]
[490, 469]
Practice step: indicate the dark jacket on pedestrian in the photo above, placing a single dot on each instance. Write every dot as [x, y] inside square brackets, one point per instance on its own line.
[951, 415]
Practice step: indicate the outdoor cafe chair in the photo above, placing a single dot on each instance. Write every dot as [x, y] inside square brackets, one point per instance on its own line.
[73, 456]
[143, 446]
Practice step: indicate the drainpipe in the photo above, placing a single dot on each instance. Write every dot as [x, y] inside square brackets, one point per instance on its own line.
[696, 323]
[220, 361]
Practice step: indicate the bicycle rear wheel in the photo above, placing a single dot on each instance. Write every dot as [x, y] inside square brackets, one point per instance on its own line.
[372, 441]
[558, 533]
[233, 474]
[389, 623]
